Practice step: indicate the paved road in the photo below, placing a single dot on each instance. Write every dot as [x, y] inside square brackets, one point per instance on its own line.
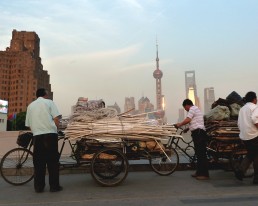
[139, 188]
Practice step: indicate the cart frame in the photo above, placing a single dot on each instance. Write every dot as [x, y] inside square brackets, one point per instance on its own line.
[108, 165]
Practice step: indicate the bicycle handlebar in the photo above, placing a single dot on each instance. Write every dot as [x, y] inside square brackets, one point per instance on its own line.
[180, 128]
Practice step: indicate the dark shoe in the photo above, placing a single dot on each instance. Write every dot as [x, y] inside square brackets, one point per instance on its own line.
[239, 174]
[56, 189]
[194, 175]
[202, 178]
[39, 191]
[255, 182]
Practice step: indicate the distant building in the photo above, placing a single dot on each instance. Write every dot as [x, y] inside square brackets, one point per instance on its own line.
[145, 106]
[116, 107]
[160, 99]
[157, 74]
[190, 87]
[209, 99]
[3, 122]
[21, 71]
[129, 105]
[181, 115]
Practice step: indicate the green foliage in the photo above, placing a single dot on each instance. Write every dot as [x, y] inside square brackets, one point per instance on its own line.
[18, 123]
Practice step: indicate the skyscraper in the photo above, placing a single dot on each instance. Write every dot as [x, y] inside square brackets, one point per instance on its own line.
[21, 71]
[157, 74]
[145, 105]
[181, 115]
[209, 99]
[190, 87]
[116, 107]
[129, 105]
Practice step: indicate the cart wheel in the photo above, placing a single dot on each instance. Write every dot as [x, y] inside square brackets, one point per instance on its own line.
[164, 164]
[236, 159]
[17, 166]
[109, 167]
[212, 151]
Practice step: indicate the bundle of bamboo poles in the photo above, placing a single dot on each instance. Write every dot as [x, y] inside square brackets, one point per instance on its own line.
[116, 127]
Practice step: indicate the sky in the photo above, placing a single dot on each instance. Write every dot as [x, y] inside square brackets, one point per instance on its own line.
[103, 49]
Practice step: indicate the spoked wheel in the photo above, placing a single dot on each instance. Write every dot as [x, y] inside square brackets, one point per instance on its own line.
[236, 159]
[17, 166]
[164, 163]
[212, 151]
[109, 167]
[193, 159]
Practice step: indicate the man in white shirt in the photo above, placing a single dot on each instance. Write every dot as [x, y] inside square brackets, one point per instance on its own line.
[196, 125]
[248, 126]
[42, 118]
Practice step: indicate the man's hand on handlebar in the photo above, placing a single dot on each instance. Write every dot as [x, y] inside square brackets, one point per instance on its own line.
[60, 133]
[178, 127]
[186, 130]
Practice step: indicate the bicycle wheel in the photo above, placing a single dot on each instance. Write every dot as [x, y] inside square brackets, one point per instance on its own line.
[236, 159]
[109, 167]
[17, 166]
[164, 163]
[191, 152]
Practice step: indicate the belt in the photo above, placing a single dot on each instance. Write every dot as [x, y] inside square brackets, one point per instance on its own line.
[197, 130]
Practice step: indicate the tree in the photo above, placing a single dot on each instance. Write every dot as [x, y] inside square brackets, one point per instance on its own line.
[17, 123]
[20, 121]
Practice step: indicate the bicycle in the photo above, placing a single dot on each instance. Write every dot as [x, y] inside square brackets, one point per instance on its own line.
[188, 151]
[17, 164]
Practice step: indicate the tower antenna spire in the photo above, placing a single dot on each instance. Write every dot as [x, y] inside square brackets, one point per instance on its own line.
[157, 74]
[157, 52]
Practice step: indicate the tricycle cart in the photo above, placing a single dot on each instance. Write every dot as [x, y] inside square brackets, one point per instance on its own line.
[106, 150]
[225, 146]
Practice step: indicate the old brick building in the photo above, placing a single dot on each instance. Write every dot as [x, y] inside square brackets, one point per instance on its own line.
[21, 71]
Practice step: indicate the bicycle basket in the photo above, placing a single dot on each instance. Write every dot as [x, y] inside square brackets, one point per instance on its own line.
[24, 139]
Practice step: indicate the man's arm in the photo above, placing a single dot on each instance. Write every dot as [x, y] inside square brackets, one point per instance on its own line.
[186, 121]
[255, 116]
[56, 120]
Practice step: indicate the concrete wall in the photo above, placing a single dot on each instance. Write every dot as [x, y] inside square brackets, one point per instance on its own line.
[3, 122]
[8, 142]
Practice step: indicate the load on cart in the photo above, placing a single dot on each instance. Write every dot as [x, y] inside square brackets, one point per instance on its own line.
[224, 145]
[106, 142]
[109, 140]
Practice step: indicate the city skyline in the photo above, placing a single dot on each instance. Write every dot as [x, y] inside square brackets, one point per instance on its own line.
[102, 49]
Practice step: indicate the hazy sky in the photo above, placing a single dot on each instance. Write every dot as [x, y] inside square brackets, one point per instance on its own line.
[107, 48]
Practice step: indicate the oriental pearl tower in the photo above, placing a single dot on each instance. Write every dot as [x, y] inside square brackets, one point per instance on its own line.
[157, 74]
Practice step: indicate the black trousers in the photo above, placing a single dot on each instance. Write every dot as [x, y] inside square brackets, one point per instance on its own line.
[252, 154]
[45, 154]
[200, 139]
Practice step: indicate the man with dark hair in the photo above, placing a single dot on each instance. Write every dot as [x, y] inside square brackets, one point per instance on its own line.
[248, 126]
[43, 119]
[196, 125]
[41, 92]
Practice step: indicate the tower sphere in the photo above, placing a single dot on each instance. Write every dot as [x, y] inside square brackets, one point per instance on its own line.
[157, 74]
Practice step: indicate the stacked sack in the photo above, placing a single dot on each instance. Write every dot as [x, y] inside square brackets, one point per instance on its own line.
[225, 109]
[83, 104]
[221, 121]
